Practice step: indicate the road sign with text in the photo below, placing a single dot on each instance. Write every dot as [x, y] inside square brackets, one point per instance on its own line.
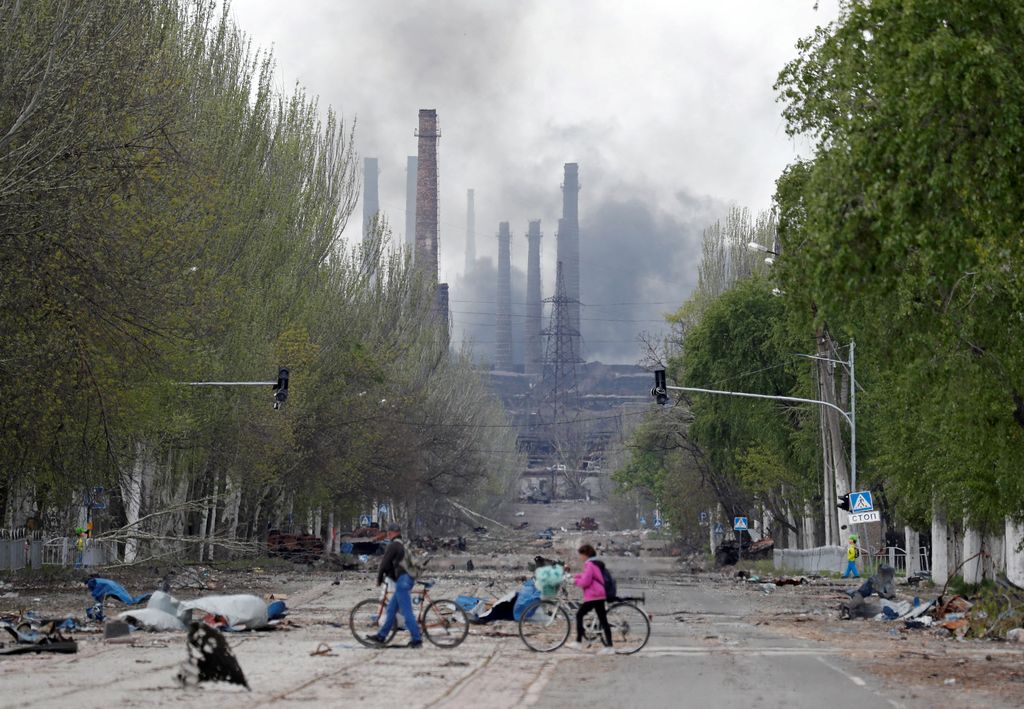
[862, 517]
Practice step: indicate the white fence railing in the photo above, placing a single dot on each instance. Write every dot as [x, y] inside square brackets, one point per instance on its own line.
[20, 549]
[819, 559]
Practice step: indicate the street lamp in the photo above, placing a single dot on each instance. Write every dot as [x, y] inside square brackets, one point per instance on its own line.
[754, 246]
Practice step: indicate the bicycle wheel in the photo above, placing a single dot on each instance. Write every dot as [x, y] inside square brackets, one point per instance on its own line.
[444, 623]
[544, 626]
[365, 620]
[630, 628]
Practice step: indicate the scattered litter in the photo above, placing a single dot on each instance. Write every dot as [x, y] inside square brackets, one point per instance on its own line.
[1016, 635]
[950, 681]
[102, 589]
[209, 658]
[152, 619]
[47, 638]
[237, 611]
[116, 630]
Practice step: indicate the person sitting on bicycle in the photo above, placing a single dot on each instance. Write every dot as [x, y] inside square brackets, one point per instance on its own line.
[594, 596]
[393, 566]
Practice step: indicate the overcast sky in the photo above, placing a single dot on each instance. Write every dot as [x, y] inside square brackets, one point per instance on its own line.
[668, 107]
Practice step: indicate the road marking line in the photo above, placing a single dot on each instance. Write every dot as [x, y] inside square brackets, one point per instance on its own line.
[456, 688]
[539, 683]
[853, 678]
[684, 650]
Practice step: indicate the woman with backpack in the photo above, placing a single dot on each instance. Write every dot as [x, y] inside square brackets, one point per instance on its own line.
[593, 582]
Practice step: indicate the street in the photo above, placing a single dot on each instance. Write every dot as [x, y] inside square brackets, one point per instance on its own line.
[714, 642]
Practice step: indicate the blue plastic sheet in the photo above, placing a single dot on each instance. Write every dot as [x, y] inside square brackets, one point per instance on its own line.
[528, 594]
[105, 588]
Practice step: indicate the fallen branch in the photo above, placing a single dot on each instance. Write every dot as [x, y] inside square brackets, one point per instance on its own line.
[465, 510]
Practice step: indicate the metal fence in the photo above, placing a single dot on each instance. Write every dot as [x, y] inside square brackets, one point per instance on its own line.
[20, 548]
[895, 557]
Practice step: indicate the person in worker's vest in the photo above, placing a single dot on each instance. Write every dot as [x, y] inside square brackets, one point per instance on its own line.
[851, 559]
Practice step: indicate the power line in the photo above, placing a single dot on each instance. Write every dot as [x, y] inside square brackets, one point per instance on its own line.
[523, 315]
[479, 301]
[436, 424]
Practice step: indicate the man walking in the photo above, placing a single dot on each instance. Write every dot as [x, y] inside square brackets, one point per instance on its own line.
[395, 566]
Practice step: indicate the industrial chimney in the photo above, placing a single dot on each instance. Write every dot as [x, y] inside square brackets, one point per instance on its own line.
[568, 248]
[426, 194]
[532, 350]
[503, 348]
[410, 204]
[470, 231]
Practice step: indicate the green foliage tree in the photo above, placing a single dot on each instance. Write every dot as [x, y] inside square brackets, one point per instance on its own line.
[904, 232]
[168, 216]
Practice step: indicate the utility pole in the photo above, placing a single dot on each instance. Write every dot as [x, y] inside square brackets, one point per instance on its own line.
[661, 389]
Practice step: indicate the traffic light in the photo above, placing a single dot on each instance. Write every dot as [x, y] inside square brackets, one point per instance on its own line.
[659, 392]
[281, 388]
[843, 502]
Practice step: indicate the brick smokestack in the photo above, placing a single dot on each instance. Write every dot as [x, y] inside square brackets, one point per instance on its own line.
[568, 248]
[410, 204]
[470, 230]
[426, 194]
[503, 349]
[533, 351]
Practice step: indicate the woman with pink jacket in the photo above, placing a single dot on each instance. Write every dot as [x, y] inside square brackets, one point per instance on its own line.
[594, 596]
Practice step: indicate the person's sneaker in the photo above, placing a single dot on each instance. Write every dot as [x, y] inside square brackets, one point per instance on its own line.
[573, 645]
[415, 644]
[375, 640]
[606, 651]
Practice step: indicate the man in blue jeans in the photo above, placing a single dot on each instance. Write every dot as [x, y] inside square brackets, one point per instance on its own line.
[394, 567]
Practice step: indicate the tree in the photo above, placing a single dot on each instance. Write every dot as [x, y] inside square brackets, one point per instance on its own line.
[903, 231]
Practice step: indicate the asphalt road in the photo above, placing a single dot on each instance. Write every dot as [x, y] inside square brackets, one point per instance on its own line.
[702, 654]
[710, 647]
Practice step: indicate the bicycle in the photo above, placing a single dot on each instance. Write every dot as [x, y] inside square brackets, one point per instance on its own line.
[443, 622]
[545, 625]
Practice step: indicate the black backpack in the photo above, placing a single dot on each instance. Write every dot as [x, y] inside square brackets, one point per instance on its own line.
[611, 592]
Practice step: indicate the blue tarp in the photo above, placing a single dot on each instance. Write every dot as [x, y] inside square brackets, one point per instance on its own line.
[468, 603]
[528, 594]
[104, 588]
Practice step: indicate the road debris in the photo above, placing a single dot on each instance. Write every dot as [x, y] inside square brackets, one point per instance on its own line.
[102, 589]
[209, 659]
[31, 634]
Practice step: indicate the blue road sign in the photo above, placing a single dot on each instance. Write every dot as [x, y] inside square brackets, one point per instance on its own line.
[861, 501]
[657, 523]
[383, 510]
[719, 529]
[739, 524]
[703, 518]
[364, 521]
[643, 521]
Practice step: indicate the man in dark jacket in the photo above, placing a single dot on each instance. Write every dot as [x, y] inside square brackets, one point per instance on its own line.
[393, 566]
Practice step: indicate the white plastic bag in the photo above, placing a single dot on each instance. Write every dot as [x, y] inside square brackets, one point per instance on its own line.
[239, 610]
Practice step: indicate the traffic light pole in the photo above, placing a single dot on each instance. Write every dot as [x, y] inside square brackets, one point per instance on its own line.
[661, 388]
[280, 386]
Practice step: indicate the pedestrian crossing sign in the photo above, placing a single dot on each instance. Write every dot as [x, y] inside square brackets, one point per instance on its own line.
[719, 529]
[739, 524]
[861, 501]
